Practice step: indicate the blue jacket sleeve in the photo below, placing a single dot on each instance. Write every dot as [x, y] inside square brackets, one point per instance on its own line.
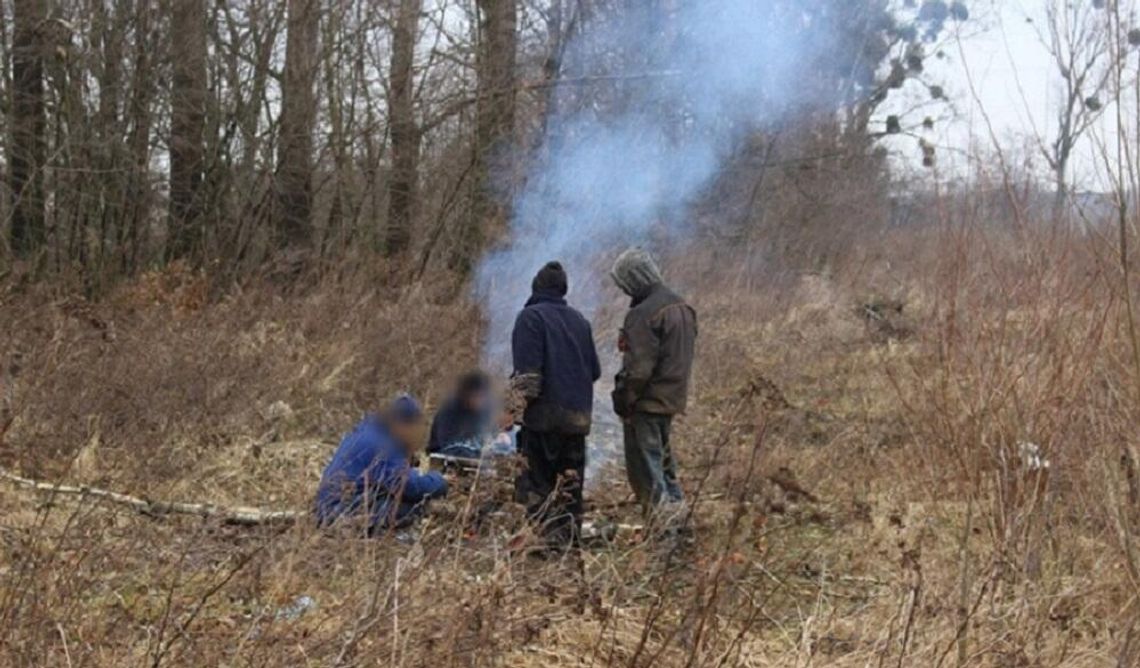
[424, 486]
[527, 343]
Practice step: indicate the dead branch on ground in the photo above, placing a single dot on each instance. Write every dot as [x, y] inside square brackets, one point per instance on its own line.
[240, 515]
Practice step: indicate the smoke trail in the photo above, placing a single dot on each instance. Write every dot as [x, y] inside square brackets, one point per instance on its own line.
[659, 96]
[653, 101]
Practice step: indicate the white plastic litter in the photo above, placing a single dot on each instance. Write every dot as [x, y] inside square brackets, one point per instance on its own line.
[1032, 457]
[296, 609]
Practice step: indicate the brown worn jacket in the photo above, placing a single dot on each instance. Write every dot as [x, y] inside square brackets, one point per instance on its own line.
[657, 342]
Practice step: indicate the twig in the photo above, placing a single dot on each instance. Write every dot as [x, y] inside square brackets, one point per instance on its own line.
[363, 624]
[242, 562]
[1125, 658]
[964, 584]
[915, 594]
[67, 652]
[396, 611]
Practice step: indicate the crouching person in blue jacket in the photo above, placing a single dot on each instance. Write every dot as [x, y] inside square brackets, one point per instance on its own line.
[370, 475]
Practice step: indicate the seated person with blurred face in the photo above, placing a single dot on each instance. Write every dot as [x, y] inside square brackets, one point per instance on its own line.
[466, 426]
[464, 422]
[371, 476]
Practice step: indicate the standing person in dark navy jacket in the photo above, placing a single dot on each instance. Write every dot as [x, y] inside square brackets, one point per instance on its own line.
[555, 367]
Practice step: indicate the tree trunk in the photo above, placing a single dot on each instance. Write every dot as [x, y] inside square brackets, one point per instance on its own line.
[1061, 188]
[494, 125]
[28, 126]
[138, 193]
[106, 154]
[187, 128]
[256, 211]
[294, 184]
[405, 131]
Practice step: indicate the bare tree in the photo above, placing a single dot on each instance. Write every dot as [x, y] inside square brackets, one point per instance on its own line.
[28, 126]
[1076, 36]
[294, 182]
[139, 117]
[243, 181]
[495, 63]
[232, 97]
[187, 126]
[405, 131]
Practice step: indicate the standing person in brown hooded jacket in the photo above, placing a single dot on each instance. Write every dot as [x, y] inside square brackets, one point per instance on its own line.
[657, 343]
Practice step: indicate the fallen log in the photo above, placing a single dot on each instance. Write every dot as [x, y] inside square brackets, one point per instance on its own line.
[240, 515]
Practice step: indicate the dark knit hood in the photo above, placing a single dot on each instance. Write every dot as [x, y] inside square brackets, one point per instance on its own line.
[551, 279]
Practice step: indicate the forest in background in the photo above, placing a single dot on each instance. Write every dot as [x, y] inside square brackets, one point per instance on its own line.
[230, 228]
[283, 137]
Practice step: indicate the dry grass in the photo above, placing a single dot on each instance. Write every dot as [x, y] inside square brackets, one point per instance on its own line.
[930, 544]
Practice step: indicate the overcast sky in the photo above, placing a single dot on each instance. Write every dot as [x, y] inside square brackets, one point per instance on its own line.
[1014, 83]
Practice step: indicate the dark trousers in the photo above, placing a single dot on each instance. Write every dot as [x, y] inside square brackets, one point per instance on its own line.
[649, 459]
[551, 483]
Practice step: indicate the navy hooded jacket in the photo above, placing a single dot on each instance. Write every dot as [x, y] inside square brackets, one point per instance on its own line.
[556, 365]
[457, 426]
[370, 474]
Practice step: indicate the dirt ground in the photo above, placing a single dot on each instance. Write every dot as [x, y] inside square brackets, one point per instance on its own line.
[854, 474]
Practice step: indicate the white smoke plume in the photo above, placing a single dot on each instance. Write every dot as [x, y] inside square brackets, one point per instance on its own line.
[652, 101]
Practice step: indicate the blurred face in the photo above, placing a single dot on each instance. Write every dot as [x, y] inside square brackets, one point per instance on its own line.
[477, 402]
[410, 435]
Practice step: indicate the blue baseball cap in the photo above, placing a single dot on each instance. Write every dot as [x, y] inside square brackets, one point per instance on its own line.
[405, 408]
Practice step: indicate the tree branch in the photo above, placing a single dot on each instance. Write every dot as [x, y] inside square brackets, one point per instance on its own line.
[240, 515]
